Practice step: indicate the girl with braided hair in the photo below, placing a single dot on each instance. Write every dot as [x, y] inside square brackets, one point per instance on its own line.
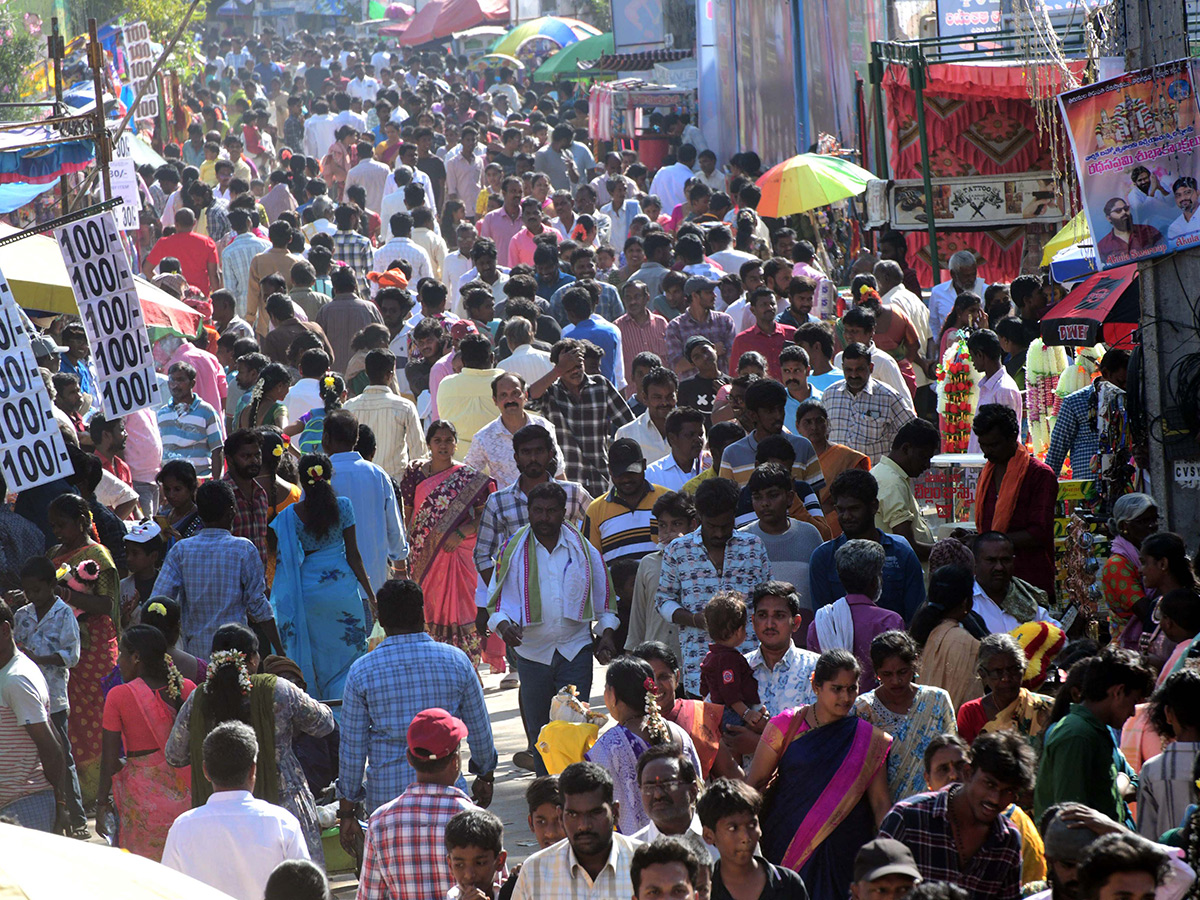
[90, 585]
[266, 399]
[139, 714]
[629, 695]
[319, 574]
[309, 427]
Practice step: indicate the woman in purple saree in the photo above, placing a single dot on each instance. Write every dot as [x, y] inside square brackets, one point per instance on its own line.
[831, 792]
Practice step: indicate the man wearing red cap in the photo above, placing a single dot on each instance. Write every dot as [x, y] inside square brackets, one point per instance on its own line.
[405, 853]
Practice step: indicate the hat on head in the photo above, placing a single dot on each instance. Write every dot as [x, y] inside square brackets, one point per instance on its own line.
[625, 456]
[1041, 642]
[884, 856]
[389, 278]
[143, 532]
[44, 345]
[435, 734]
[698, 283]
[696, 340]
[461, 329]
[1065, 844]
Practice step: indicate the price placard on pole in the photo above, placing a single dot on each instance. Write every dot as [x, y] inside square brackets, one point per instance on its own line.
[123, 177]
[111, 311]
[32, 449]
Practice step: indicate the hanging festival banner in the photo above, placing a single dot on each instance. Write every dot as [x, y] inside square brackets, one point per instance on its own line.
[32, 449]
[111, 311]
[1135, 139]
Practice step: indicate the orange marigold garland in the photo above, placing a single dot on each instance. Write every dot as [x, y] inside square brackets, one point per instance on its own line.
[958, 394]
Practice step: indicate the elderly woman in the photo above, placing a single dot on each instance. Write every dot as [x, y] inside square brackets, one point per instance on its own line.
[852, 622]
[1134, 518]
[1009, 707]
[913, 714]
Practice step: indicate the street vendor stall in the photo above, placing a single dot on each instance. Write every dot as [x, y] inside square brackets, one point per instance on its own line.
[619, 111]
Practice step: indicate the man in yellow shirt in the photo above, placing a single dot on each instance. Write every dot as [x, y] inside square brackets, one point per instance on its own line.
[465, 399]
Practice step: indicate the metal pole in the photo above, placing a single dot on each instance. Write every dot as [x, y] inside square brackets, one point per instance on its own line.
[103, 149]
[880, 118]
[55, 58]
[916, 68]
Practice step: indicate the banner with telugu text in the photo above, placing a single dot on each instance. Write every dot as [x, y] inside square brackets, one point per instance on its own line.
[1136, 140]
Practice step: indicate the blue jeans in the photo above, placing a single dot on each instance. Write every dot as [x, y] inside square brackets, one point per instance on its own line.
[539, 684]
[71, 792]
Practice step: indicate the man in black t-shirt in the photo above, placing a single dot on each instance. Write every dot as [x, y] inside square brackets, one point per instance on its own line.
[700, 390]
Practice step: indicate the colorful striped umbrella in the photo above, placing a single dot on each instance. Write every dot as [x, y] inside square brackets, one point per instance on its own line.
[563, 63]
[560, 31]
[809, 181]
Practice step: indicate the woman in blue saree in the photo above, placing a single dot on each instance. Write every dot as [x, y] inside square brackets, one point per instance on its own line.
[831, 793]
[318, 574]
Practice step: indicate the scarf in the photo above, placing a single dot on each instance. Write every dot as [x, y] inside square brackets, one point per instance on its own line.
[1022, 600]
[1006, 494]
[262, 720]
[835, 626]
[1122, 546]
[517, 577]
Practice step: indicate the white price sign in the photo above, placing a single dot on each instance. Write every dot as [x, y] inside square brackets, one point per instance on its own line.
[141, 64]
[111, 312]
[32, 449]
[124, 183]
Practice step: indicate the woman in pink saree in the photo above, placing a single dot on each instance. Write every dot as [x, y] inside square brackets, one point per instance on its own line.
[832, 788]
[139, 714]
[443, 501]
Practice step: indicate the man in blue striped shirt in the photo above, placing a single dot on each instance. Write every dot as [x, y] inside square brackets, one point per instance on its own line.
[190, 428]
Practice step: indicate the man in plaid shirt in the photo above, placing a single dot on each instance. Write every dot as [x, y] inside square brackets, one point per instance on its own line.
[352, 248]
[966, 820]
[864, 414]
[405, 846]
[585, 410]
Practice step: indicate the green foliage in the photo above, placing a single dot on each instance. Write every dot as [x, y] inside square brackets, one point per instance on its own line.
[18, 50]
[162, 17]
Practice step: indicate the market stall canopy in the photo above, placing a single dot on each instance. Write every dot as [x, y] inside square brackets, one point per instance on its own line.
[1105, 308]
[565, 63]
[809, 181]
[1070, 234]
[559, 30]
[633, 62]
[34, 269]
[42, 866]
[441, 18]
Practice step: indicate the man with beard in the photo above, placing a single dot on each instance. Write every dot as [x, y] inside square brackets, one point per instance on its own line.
[1072, 830]
[1150, 199]
[592, 849]
[243, 460]
[960, 835]
[548, 585]
[1183, 229]
[492, 447]
[1125, 237]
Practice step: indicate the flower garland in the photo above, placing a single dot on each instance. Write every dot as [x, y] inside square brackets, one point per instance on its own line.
[957, 396]
[1043, 366]
[314, 474]
[223, 658]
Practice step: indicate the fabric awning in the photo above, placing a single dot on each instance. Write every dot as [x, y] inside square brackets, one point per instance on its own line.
[633, 62]
[1105, 308]
[442, 18]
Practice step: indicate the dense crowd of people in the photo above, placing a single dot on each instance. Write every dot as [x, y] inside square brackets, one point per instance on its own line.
[466, 393]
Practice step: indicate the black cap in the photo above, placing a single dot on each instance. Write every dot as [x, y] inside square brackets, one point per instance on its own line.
[884, 856]
[625, 456]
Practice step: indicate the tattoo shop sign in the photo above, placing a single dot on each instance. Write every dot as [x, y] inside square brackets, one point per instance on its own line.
[111, 311]
[982, 201]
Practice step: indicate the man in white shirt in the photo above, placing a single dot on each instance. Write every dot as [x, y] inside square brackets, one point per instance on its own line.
[1002, 600]
[319, 131]
[889, 277]
[347, 116]
[668, 184]
[458, 263]
[997, 385]
[620, 211]
[234, 841]
[402, 246]
[492, 447]
[370, 173]
[707, 171]
[464, 169]
[362, 87]
[544, 609]
[667, 781]
[1187, 224]
[305, 395]
[685, 435]
[507, 88]
[963, 277]
[524, 359]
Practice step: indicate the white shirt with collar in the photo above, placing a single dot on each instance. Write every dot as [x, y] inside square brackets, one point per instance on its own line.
[941, 301]
[654, 445]
[787, 685]
[996, 619]
[528, 362]
[668, 185]
[885, 369]
[556, 632]
[303, 396]
[234, 842]
[363, 88]
[650, 834]
[999, 387]
[666, 472]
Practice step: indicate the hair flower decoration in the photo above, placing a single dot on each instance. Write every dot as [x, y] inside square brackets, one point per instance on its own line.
[650, 685]
[278, 451]
[329, 382]
[315, 472]
[223, 658]
[157, 608]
